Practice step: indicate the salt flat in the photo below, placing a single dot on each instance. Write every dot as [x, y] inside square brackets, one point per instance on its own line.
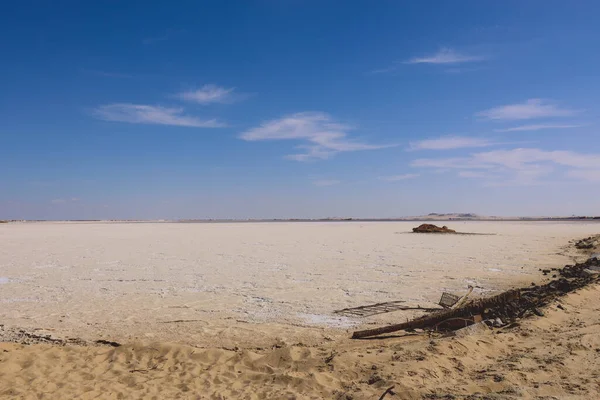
[242, 282]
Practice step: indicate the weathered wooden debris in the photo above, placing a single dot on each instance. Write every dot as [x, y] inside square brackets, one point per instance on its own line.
[448, 300]
[388, 390]
[505, 307]
[476, 328]
[465, 313]
[463, 299]
[381, 308]
[588, 243]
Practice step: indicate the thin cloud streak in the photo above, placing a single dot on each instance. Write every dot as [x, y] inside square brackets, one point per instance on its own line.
[514, 159]
[384, 70]
[63, 201]
[209, 94]
[324, 136]
[450, 142]
[396, 178]
[531, 109]
[521, 165]
[152, 115]
[586, 175]
[326, 182]
[538, 127]
[446, 56]
[472, 174]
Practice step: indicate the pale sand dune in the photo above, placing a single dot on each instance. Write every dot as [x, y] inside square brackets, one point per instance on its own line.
[550, 357]
[252, 284]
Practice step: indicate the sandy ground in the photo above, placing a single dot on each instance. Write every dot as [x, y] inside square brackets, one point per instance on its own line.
[52, 277]
[252, 284]
[556, 356]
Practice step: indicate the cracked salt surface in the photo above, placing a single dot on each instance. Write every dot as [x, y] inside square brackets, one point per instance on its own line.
[118, 276]
[327, 320]
[19, 300]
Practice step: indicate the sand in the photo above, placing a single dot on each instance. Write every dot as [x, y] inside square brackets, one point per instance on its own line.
[246, 311]
[550, 357]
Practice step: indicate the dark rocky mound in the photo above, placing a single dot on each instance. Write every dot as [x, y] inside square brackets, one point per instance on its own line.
[429, 228]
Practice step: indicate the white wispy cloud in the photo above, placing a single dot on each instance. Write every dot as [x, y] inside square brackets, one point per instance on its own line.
[324, 136]
[586, 175]
[446, 56]
[63, 201]
[472, 174]
[514, 158]
[537, 127]
[450, 142]
[396, 178]
[326, 182]
[531, 109]
[519, 166]
[386, 69]
[146, 114]
[208, 94]
[528, 175]
[450, 163]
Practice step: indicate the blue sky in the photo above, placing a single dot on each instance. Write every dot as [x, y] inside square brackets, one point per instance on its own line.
[298, 108]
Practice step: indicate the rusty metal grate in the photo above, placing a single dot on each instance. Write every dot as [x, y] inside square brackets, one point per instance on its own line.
[448, 300]
[381, 308]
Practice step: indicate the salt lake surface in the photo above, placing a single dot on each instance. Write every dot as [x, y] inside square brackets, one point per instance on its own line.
[186, 282]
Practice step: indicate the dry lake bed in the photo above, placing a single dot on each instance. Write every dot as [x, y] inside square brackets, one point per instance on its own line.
[208, 283]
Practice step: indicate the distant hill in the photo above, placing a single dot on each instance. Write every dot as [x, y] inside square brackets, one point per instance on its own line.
[453, 215]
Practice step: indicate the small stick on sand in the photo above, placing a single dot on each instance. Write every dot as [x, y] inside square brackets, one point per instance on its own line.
[463, 299]
[388, 390]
